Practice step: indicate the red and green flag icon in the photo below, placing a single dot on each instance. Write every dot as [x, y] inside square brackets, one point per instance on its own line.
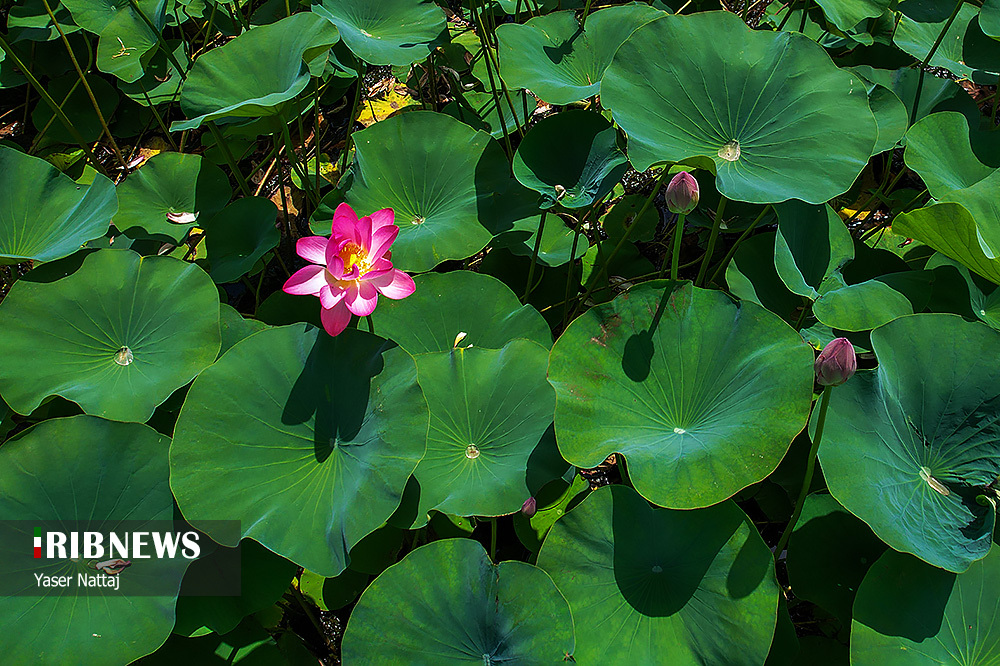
[38, 543]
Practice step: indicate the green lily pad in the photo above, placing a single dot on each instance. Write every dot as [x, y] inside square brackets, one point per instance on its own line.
[937, 94]
[127, 37]
[890, 116]
[117, 337]
[438, 175]
[910, 614]
[168, 195]
[560, 62]
[907, 445]
[939, 149]
[77, 108]
[387, 32]
[258, 73]
[701, 406]
[761, 133]
[451, 605]
[572, 158]
[846, 14]
[446, 305]
[950, 229]
[235, 328]
[989, 18]
[560, 243]
[58, 470]
[656, 586]
[47, 216]
[478, 110]
[828, 555]
[812, 245]
[160, 81]
[489, 409]
[292, 418]
[239, 236]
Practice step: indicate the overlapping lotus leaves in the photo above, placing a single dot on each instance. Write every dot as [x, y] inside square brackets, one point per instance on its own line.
[572, 158]
[555, 58]
[949, 229]
[45, 215]
[907, 446]
[916, 34]
[127, 37]
[239, 236]
[847, 14]
[939, 149]
[450, 605]
[890, 116]
[478, 110]
[489, 409]
[77, 107]
[117, 337]
[828, 555]
[478, 308]
[752, 276]
[257, 73]
[296, 432]
[161, 79]
[168, 195]
[649, 585]
[438, 175]
[702, 399]
[29, 21]
[760, 132]
[387, 32]
[76, 469]
[911, 614]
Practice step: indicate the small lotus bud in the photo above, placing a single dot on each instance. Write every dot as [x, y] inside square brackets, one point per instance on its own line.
[836, 363]
[529, 507]
[682, 193]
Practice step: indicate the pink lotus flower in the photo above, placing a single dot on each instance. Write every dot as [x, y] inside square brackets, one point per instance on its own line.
[351, 268]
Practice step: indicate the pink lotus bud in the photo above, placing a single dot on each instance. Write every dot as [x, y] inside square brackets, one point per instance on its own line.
[836, 363]
[529, 507]
[682, 193]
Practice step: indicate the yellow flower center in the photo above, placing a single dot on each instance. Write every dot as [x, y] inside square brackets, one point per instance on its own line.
[355, 255]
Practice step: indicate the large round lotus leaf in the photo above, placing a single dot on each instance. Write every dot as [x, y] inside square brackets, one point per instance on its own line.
[449, 604]
[657, 586]
[828, 555]
[168, 195]
[44, 215]
[939, 149]
[85, 468]
[117, 337]
[559, 61]
[239, 236]
[761, 132]
[950, 229]
[479, 308]
[489, 409]
[258, 72]
[77, 108]
[703, 405]
[910, 614]
[907, 445]
[387, 32]
[298, 433]
[438, 175]
[572, 158]
[127, 37]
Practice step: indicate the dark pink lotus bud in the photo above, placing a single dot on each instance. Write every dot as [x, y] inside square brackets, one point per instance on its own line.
[682, 193]
[836, 363]
[529, 507]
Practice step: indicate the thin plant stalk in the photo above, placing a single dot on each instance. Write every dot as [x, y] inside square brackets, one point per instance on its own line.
[732, 251]
[713, 237]
[45, 128]
[489, 73]
[56, 108]
[156, 114]
[281, 189]
[824, 403]
[586, 13]
[927, 59]
[495, 65]
[621, 243]
[86, 87]
[577, 232]
[350, 127]
[675, 259]
[230, 160]
[534, 255]
[293, 160]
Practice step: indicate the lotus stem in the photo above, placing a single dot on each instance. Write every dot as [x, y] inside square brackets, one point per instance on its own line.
[233, 166]
[350, 127]
[281, 189]
[614, 253]
[927, 59]
[586, 12]
[56, 109]
[675, 258]
[732, 251]
[86, 87]
[810, 468]
[159, 118]
[293, 160]
[534, 255]
[709, 251]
